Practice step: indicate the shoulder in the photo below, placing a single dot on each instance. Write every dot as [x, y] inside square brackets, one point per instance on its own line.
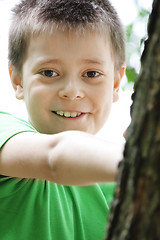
[11, 125]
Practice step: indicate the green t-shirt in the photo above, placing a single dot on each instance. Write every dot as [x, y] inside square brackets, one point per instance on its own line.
[32, 209]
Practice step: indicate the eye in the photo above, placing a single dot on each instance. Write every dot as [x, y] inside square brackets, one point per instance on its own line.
[49, 73]
[91, 74]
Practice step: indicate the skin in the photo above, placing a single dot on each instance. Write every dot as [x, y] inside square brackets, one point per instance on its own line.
[65, 75]
[54, 78]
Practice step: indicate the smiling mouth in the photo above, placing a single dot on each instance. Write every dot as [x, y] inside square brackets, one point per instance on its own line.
[68, 114]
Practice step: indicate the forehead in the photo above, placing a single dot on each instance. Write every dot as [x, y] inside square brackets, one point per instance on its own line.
[77, 43]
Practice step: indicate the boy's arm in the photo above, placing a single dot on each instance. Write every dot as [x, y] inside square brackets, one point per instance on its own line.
[68, 158]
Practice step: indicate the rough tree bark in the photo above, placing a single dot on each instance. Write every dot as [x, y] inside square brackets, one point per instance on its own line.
[135, 211]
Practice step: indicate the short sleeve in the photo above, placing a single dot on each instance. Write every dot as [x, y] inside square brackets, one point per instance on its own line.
[10, 126]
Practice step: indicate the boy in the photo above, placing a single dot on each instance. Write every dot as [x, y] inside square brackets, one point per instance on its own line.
[66, 60]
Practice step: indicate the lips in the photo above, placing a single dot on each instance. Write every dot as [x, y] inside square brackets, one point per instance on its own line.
[68, 114]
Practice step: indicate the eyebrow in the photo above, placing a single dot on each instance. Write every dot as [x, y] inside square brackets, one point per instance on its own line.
[60, 62]
[42, 62]
[93, 61]
[53, 61]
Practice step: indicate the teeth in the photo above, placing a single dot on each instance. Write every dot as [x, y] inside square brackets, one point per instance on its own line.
[74, 114]
[68, 114]
[60, 113]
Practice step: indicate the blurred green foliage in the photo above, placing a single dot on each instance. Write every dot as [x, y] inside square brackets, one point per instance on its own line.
[136, 34]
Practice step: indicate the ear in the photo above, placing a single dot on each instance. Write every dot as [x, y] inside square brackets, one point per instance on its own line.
[16, 80]
[117, 80]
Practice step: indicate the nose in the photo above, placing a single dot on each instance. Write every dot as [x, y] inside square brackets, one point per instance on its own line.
[71, 90]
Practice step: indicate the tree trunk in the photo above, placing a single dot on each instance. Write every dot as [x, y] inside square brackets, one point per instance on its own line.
[135, 211]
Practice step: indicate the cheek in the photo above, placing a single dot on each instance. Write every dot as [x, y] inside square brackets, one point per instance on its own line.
[104, 97]
[103, 103]
[35, 99]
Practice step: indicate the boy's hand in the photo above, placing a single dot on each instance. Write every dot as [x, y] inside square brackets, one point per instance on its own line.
[83, 159]
[68, 158]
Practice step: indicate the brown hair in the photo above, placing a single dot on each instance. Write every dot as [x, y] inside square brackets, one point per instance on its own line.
[37, 16]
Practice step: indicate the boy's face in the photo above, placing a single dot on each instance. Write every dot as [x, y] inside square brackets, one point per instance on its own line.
[68, 82]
